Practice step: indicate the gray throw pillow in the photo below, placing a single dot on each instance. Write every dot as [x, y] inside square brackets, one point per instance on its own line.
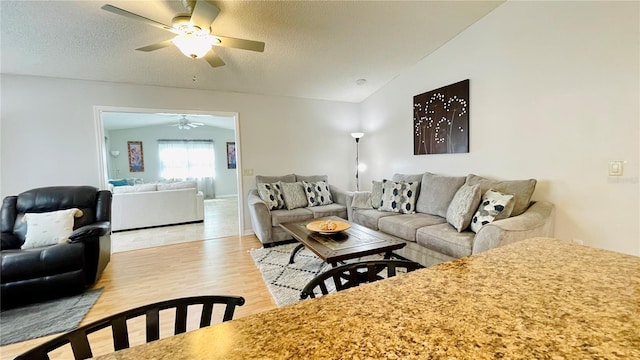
[493, 203]
[376, 193]
[522, 190]
[271, 194]
[317, 193]
[436, 193]
[294, 195]
[361, 200]
[398, 197]
[462, 207]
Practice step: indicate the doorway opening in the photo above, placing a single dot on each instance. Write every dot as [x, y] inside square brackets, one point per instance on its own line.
[123, 131]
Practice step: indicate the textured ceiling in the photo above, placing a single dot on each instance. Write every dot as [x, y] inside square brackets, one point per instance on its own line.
[314, 49]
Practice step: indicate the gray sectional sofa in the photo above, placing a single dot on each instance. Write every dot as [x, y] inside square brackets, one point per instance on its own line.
[266, 215]
[444, 201]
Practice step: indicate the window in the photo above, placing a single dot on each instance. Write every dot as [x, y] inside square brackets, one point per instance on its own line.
[183, 159]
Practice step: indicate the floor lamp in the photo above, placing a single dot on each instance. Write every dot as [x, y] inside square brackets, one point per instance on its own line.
[357, 136]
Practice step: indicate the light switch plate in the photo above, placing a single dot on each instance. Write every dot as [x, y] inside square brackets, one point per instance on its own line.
[615, 168]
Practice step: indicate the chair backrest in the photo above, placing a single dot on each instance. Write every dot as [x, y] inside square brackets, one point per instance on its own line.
[351, 275]
[78, 339]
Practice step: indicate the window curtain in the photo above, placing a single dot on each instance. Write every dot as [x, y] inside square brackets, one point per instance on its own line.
[189, 160]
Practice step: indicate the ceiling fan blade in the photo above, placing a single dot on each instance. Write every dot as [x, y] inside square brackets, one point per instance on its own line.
[157, 46]
[240, 43]
[197, 123]
[130, 15]
[192, 125]
[204, 14]
[213, 59]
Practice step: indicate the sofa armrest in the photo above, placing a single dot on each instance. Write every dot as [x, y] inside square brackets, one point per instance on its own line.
[260, 216]
[340, 196]
[91, 231]
[538, 220]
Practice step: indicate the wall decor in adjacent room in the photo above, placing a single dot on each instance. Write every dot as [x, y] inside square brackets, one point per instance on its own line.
[231, 155]
[136, 156]
[441, 120]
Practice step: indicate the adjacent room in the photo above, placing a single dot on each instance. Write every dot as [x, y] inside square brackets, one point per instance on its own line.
[320, 179]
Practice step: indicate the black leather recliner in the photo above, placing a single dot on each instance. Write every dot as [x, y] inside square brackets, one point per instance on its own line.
[42, 273]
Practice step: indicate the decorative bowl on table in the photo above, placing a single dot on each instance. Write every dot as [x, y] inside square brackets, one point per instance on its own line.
[327, 227]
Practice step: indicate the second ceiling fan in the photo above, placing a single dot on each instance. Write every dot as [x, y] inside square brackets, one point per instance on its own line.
[193, 32]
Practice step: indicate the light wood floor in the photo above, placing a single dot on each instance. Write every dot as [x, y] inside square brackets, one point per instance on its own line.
[220, 266]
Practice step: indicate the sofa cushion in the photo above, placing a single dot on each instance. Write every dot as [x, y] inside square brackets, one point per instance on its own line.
[376, 193]
[493, 203]
[282, 216]
[407, 177]
[318, 193]
[522, 190]
[370, 217]
[271, 194]
[443, 238]
[135, 188]
[399, 196]
[174, 185]
[329, 210]
[294, 195]
[405, 226]
[436, 193]
[312, 178]
[274, 179]
[463, 206]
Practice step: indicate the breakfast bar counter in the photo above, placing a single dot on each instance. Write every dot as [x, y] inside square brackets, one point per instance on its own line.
[535, 299]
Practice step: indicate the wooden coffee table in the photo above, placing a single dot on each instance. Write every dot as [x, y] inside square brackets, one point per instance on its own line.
[355, 242]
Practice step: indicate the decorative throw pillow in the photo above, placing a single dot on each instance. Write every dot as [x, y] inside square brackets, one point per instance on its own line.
[493, 203]
[361, 200]
[317, 193]
[376, 193]
[399, 196]
[119, 182]
[294, 195]
[271, 194]
[49, 228]
[462, 206]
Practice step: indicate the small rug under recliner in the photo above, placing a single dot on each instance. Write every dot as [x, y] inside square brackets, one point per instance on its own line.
[45, 318]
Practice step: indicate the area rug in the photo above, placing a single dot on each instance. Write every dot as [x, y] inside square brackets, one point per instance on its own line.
[45, 318]
[285, 281]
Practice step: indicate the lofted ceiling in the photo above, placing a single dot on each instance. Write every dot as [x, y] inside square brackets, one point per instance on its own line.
[314, 49]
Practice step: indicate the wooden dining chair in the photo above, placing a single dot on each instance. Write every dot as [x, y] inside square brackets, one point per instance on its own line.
[78, 339]
[351, 275]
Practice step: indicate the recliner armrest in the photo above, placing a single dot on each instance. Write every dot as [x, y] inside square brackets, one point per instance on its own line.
[94, 230]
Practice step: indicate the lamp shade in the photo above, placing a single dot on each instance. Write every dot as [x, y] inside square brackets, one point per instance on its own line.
[193, 45]
[357, 135]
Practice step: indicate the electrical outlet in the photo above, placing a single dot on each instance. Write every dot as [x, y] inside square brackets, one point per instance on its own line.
[615, 168]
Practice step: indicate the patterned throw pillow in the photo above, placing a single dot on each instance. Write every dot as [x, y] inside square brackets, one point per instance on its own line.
[271, 194]
[462, 206]
[493, 203]
[398, 197]
[317, 193]
[294, 195]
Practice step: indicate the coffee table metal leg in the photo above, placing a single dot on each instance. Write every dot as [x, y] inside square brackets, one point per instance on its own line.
[294, 252]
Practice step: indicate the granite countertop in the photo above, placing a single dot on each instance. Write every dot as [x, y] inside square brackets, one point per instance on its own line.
[535, 299]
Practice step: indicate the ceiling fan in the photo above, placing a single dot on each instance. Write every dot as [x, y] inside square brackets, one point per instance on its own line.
[186, 124]
[193, 32]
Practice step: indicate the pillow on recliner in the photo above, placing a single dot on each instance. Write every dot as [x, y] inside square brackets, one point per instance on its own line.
[49, 228]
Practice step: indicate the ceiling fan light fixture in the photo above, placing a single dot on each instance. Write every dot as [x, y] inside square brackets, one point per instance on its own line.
[193, 45]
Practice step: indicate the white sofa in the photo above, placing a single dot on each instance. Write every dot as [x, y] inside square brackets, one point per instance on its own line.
[148, 205]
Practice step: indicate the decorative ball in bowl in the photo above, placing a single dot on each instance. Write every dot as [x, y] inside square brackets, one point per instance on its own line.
[328, 226]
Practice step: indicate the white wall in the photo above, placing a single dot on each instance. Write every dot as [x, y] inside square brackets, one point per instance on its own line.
[49, 131]
[554, 89]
